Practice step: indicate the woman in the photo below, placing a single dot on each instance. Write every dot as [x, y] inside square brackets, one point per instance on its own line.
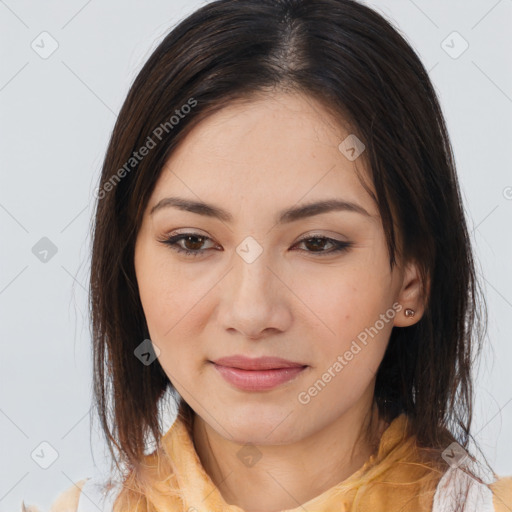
[280, 241]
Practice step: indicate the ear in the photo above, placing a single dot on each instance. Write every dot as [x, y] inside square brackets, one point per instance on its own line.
[410, 296]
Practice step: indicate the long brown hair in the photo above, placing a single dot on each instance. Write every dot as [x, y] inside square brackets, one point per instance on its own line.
[353, 60]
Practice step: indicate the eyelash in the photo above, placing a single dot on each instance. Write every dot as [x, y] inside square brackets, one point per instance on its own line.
[172, 242]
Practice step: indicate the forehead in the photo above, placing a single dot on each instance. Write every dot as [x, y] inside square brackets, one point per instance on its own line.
[271, 148]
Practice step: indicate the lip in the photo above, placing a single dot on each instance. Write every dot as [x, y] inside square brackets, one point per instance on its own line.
[259, 374]
[257, 363]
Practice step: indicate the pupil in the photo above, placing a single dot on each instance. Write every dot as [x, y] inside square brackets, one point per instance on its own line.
[319, 241]
[198, 244]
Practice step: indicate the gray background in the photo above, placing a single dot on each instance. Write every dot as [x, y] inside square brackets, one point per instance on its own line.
[56, 117]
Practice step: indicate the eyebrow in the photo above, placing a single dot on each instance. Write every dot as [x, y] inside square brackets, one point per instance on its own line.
[286, 216]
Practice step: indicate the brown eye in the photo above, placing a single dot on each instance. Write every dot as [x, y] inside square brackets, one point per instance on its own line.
[192, 243]
[318, 243]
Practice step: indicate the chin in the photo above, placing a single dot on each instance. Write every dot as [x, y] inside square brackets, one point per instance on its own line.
[263, 424]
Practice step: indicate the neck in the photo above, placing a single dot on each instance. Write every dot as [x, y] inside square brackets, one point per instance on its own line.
[290, 474]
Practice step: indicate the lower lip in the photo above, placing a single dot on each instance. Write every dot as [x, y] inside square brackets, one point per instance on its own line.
[258, 380]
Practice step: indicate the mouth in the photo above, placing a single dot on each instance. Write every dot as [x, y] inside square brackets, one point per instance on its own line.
[258, 363]
[259, 374]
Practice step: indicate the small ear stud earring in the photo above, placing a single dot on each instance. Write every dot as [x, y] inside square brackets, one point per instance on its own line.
[409, 313]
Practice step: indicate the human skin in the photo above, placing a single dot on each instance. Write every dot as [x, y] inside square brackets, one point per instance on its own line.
[293, 301]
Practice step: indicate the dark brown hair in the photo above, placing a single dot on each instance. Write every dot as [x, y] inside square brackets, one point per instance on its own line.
[357, 64]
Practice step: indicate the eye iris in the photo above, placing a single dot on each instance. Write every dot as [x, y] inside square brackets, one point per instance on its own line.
[318, 241]
[198, 244]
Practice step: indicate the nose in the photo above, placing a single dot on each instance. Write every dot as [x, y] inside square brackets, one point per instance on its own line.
[254, 299]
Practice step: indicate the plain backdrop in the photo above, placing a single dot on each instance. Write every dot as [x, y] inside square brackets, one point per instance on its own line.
[57, 113]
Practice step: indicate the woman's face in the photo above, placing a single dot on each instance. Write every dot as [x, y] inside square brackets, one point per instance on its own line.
[258, 286]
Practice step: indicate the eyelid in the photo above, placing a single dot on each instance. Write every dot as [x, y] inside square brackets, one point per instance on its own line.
[320, 235]
[193, 232]
[173, 239]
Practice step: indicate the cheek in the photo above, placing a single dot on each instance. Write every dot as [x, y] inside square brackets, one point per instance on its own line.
[350, 342]
[345, 314]
[166, 317]
[174, 307]
[343, 299]
[160, 291]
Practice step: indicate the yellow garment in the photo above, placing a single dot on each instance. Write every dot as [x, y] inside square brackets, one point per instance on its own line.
[396, 478]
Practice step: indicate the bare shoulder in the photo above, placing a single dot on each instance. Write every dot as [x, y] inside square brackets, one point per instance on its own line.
[502, 494]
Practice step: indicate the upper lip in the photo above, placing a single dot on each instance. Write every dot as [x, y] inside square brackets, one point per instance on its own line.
[258, 363]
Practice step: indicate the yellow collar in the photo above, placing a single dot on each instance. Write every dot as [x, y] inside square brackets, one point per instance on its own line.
[395, 464]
